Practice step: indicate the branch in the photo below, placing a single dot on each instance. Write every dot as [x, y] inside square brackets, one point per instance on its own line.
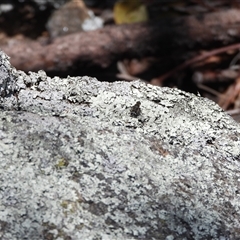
[105, 46]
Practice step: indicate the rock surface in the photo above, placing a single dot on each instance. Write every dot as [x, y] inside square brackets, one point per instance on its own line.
[81, 159]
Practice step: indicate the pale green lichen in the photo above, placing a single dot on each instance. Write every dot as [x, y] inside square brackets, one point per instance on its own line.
[62, 163]
[75, 163]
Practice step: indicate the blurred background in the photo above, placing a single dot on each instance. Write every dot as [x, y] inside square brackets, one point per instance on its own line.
[192, 45]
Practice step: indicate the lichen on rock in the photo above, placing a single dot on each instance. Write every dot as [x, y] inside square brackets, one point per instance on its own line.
[76, 164]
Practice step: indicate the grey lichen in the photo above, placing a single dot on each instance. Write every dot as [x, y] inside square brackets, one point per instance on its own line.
[76, 165]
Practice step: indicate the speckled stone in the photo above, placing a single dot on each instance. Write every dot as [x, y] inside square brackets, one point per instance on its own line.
[75, 163]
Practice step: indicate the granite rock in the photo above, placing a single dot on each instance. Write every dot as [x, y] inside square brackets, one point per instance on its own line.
[83, 159]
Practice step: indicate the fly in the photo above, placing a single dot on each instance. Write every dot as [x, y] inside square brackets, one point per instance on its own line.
[135, 109]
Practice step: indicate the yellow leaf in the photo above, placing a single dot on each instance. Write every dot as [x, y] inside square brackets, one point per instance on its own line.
[129, 11]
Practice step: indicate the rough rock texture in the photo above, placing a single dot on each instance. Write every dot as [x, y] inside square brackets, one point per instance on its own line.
[81, 159]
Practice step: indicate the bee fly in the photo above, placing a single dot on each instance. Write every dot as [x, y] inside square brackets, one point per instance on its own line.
[135, 109]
